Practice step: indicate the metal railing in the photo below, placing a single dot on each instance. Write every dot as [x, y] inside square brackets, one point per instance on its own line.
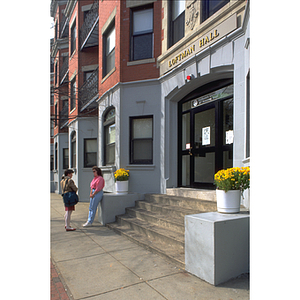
[90, 24]
[64, 70]
[64, 27]
[63, 116]
[89, 91]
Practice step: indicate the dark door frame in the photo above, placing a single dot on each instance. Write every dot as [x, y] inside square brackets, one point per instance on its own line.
[219, 147]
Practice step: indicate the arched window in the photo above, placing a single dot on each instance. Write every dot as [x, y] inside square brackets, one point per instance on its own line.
[73, 149]
[109, 137]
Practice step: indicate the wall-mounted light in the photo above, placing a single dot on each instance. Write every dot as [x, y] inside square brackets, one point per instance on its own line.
[189, 77]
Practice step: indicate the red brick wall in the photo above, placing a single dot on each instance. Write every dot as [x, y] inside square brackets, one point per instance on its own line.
[124, 73]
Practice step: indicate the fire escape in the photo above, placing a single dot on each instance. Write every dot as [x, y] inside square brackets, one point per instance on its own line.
[89, 37]
[89, 32]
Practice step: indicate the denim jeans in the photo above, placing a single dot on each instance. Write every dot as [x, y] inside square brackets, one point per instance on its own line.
[93, 205]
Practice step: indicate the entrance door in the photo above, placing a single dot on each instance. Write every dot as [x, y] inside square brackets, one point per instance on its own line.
[206, 141]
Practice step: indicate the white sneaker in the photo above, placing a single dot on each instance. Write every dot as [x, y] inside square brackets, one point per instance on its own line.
[87, 224]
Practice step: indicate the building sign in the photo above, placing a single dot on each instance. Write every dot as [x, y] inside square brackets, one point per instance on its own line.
[229, 137]
[201, 43]
[206, 136]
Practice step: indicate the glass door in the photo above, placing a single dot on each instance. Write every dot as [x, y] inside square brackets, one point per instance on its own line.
[204, 146]
[206, 140]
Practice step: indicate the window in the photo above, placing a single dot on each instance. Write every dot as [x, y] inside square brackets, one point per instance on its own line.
[142, 34]
[73, 149]
[65, 158]
[177, 26]
[73, 93]
[90, 153]
[110, 137]
[56, 114]
[52, 129]
[141, 140]
[51, 162]
[210, 7]
[109, 50]
[87, 75]
[56, 75]
[73, 37]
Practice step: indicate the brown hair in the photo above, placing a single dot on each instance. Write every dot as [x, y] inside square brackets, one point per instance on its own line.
[68, 171]
[98, 170]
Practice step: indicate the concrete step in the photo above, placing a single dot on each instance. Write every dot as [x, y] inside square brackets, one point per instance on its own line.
[164, 209]
[209, 195]
[164, 250]
[157, 223]
[172, 223]
[154, 232]
[186, 202]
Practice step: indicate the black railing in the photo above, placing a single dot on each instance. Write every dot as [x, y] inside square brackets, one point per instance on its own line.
[88, 34]
[63, 116]
[63, 72]
[64, 27]
[88, 93]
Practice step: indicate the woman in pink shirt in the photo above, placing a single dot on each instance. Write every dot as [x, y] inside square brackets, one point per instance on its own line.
[96, 194]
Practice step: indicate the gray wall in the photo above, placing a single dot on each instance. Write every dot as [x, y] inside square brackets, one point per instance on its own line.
[85, 128]
[228, 58]
[132, 99]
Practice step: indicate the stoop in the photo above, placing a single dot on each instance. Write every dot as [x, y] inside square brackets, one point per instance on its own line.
[157, 223]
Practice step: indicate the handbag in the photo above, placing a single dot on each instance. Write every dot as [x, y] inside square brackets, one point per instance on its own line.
[70, 198]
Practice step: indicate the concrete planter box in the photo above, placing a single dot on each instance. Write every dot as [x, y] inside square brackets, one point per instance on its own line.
[217, 246]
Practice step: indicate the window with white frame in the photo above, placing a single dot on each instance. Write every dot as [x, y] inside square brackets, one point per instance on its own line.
[109, 50]
[73, 37]
[142, 33]
[73, 93]
[109, 137]
[73, 149]
[141, 140]
[90, 152]
[65, 158]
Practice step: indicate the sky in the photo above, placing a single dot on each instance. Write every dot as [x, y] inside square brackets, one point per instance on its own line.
[51, 24]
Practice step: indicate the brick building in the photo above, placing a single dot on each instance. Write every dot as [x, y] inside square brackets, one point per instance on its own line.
[158, 87]
[104, 53]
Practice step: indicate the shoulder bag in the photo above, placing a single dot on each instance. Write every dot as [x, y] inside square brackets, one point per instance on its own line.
[70, 198]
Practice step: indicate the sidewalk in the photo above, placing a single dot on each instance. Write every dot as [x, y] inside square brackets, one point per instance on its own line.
[96, 263]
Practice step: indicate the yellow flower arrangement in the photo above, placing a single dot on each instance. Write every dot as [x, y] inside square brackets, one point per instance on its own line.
[233, 179]
[121, 175]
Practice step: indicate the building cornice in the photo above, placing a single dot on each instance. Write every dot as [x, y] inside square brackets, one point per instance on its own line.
[58, 45]
[54, 4]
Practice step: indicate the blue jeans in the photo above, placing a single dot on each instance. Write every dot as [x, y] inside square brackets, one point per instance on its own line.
[93, 206]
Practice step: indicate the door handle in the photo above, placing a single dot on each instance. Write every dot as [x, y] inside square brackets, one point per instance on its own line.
[190, 151]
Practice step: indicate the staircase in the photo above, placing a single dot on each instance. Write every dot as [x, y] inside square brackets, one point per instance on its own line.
[157, 223]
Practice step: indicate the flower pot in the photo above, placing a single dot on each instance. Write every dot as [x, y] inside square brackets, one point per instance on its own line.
[122, 187]
[228, 202]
